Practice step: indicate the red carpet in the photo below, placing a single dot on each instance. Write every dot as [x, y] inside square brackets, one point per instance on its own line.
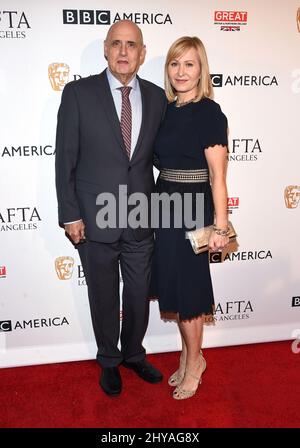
[244, 386]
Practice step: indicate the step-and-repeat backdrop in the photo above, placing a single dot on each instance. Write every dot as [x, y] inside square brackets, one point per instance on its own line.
[254, 55]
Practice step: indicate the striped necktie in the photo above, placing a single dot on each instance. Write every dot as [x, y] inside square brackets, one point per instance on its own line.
[126, 118]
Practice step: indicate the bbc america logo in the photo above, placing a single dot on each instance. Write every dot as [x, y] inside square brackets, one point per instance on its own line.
[106, 17]
[220, 80]
[7, 325]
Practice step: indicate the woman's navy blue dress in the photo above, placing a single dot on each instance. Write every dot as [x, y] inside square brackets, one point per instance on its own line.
[181, 279]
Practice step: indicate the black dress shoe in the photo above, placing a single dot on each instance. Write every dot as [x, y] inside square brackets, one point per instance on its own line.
[110, 380]
[145, 370]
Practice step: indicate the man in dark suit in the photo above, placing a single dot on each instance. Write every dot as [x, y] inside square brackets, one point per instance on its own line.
[106, 128]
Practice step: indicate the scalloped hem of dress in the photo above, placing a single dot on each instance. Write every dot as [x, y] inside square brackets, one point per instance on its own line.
[208, 316]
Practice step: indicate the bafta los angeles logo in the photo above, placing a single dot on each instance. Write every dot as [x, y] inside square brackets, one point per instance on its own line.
[64, 267]
[298, 19]
[58, 73]
[292, 196]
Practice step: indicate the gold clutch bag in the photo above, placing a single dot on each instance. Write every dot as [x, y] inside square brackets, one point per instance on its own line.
[199, 238]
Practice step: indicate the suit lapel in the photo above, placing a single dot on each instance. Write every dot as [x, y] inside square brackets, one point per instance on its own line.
[107, 102]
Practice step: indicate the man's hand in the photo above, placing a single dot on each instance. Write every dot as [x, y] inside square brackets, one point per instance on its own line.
[75, 231]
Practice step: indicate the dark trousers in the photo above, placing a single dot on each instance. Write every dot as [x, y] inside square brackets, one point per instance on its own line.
[100, 263]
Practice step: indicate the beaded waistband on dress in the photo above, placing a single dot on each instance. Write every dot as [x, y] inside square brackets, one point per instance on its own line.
[187, 176]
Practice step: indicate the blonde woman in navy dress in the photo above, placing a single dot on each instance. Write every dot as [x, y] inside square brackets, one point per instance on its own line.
[191, 145]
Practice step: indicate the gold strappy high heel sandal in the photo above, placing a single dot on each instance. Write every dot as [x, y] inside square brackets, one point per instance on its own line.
[176, 378]
[182, 394]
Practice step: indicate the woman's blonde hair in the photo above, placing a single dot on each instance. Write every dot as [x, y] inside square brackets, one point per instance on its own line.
[180, 46]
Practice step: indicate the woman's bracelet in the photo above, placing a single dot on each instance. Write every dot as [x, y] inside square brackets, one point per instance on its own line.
[221, 232]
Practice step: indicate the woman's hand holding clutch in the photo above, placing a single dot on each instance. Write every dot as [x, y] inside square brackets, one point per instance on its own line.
[217, 242]
[211, 238]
